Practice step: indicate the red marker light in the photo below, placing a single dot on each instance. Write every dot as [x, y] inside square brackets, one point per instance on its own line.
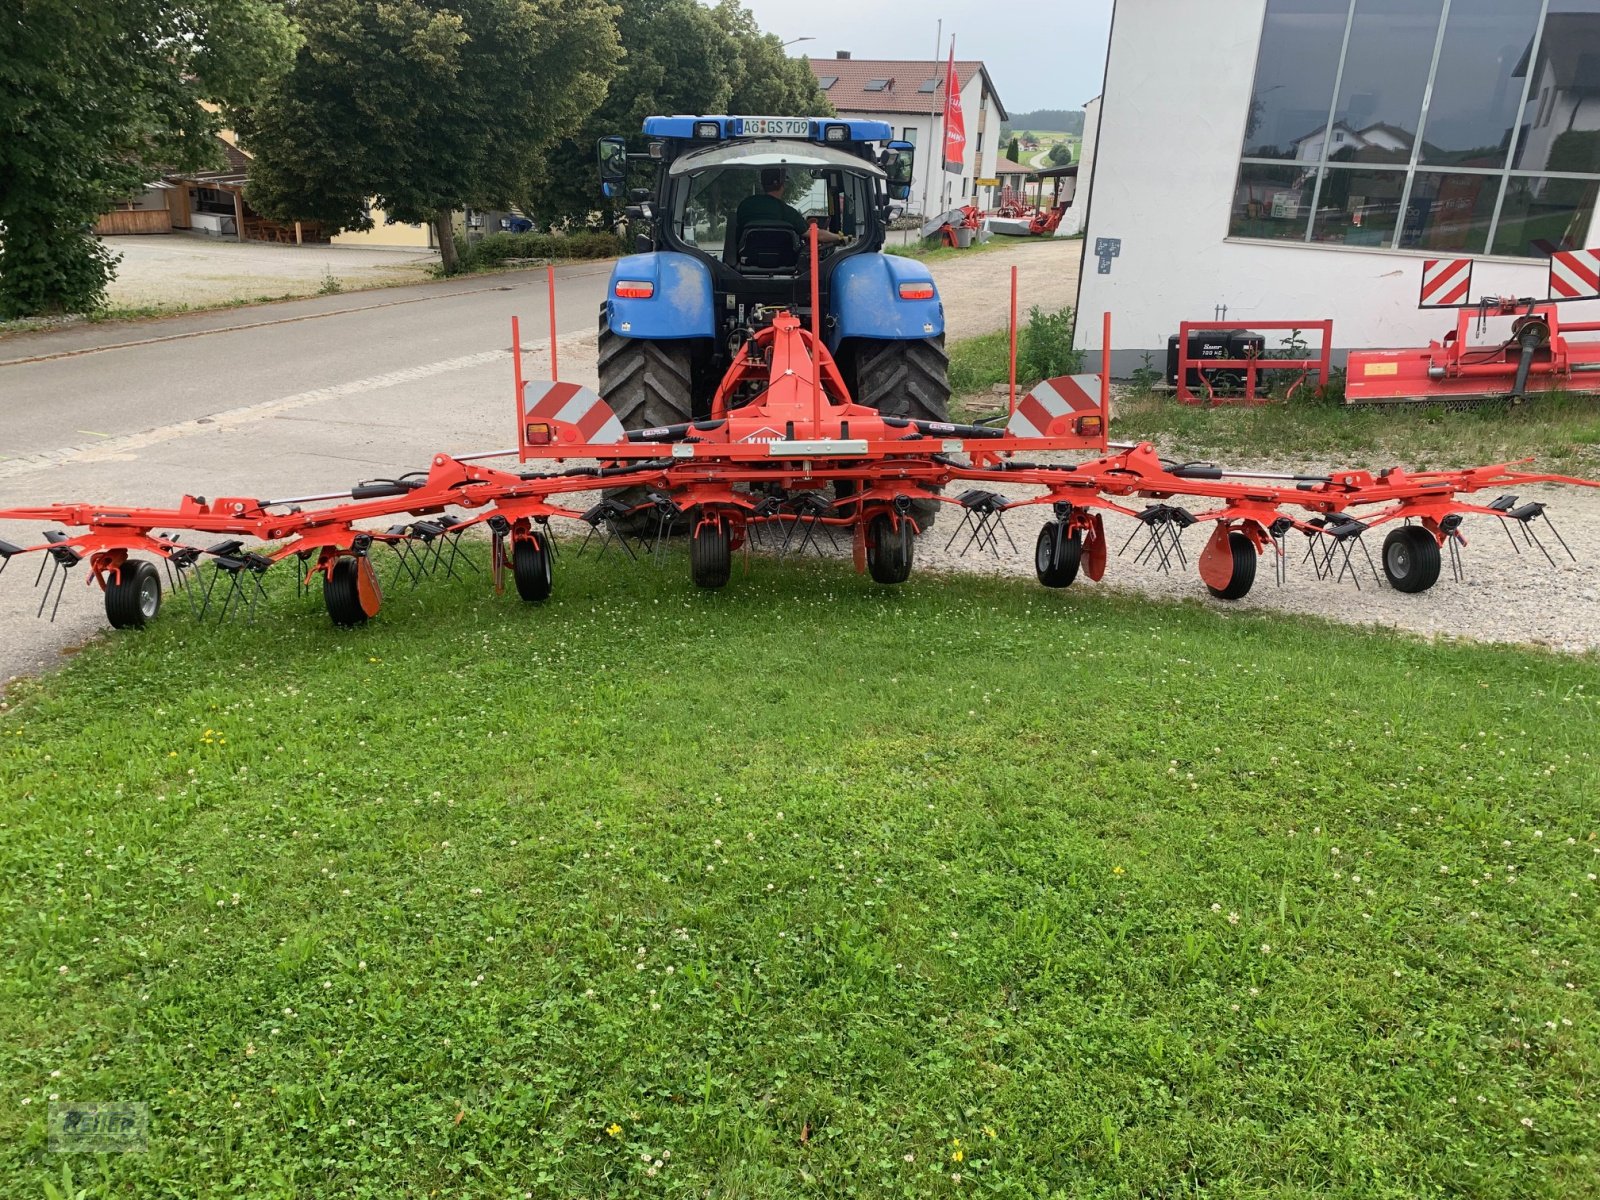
[916, 291]
[635, 289]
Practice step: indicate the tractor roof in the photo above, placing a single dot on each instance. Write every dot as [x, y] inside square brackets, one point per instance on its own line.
[772, 152]
[811, 129]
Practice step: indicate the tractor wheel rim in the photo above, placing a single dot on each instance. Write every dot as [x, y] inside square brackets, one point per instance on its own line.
[149, 596]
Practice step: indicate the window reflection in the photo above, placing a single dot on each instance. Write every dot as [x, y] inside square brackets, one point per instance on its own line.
[1514, 104]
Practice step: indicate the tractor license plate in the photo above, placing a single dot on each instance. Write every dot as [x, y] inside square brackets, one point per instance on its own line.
[774, 126]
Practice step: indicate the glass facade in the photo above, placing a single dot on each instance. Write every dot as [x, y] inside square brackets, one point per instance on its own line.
[1462, 126]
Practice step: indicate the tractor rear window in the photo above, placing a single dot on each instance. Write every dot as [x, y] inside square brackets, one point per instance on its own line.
[705, 208]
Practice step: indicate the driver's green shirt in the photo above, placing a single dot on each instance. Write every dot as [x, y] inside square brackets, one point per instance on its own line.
[762, 209]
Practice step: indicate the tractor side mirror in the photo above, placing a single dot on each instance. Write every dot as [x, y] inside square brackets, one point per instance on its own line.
[613, 152]
[897, 162]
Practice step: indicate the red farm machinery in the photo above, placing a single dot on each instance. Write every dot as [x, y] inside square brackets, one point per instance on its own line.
[1501, 349]
[784, 459]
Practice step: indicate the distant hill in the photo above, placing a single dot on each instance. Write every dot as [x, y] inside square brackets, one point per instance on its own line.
[1052, 120]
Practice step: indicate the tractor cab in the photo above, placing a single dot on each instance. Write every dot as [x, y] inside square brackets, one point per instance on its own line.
[722, 241]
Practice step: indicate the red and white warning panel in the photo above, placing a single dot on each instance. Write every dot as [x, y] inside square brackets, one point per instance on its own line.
[1066, 406]
[557, 414]
[1446, 282]
[1575, 275]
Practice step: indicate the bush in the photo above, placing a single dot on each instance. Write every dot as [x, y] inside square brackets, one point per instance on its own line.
[498, 248]
[1044, 347]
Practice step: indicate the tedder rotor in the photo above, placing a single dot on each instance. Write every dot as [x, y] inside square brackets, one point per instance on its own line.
[783, 457]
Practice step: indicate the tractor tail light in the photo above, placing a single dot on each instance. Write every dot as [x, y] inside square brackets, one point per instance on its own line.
[635, 289]
[916, 291]
[1090, 426]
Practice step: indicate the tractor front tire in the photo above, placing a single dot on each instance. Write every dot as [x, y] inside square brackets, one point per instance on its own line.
[904, 379]
[648, 385]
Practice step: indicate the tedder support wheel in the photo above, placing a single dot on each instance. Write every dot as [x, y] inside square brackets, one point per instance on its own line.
[1243, 576]
[1411, 559]
[1056, 555]
[889, 550]
[350, 592]
[710, 558]
[133, 601]
[530, 568]
[904, 379]
[648, 385]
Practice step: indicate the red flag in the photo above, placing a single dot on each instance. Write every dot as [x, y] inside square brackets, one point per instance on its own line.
[955, 125]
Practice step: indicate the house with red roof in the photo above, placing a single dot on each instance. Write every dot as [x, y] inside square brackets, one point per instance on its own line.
[909, 94]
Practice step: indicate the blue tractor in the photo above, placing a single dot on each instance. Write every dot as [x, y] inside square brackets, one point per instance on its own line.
[722, 249]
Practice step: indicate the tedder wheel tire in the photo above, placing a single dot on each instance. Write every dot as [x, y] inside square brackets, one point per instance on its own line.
[1411, 559]
[135, 599]
[1244, 569]
[889, 550]
[530, 568]
[710, 559]
[904, 379]
[1056, 563]
[647, 384]
[341, 593]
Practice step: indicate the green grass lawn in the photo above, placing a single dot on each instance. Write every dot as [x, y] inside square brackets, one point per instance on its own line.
[807, 888]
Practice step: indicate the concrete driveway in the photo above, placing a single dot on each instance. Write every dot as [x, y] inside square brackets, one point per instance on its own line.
[180, 268]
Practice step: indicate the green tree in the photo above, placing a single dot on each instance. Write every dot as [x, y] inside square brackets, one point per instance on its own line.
[1014, 151]
[97, 97]
[766, 81]
[1060, 154]
[678, 57]
[424, 107]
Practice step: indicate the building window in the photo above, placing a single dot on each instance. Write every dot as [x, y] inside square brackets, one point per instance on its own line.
[909, 134]
[1462, 126]
[827, 81]
[878, 85]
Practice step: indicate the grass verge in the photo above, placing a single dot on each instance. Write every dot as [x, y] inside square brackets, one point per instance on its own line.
[806, 888]
[1561, 431]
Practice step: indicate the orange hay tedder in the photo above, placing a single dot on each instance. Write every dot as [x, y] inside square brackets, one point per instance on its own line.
[783, 458]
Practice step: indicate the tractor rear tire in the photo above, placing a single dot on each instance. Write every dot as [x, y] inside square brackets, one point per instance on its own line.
[134, 600]
[889, 550]
[1411, 559]
[530, 569]
[710, 558]
[1243, 577]
[648, 385]
[1056, 562]
[904, 379]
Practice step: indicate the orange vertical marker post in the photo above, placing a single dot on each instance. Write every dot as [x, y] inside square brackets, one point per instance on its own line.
[550, 278]
[516, 367]
[1012, 406]
[816, 341]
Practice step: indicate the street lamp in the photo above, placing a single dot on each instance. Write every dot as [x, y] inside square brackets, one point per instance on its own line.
[792, 41]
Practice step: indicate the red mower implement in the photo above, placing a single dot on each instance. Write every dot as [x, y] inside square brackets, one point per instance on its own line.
[1532, 349]
[784, 460]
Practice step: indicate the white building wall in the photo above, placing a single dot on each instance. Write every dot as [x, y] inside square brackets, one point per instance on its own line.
[1165, 167]
[933, 189]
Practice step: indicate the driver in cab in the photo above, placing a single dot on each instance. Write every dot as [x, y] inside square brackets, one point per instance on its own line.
[768, 208]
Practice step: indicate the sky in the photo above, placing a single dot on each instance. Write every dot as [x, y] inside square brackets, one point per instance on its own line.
[1040, 55]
